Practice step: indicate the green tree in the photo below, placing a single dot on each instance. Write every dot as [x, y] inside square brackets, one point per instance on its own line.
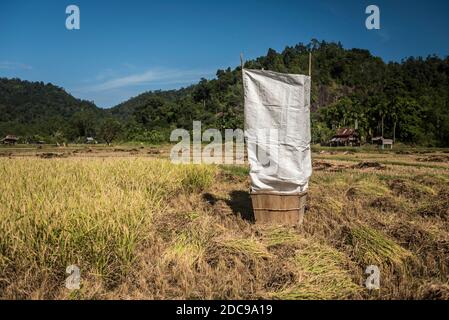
[110, 129]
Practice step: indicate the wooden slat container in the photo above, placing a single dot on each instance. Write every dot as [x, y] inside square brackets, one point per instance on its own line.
[275, 208]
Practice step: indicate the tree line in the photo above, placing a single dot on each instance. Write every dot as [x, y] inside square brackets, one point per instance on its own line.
[406, 101]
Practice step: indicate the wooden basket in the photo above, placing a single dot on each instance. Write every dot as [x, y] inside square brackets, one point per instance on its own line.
[275, 208]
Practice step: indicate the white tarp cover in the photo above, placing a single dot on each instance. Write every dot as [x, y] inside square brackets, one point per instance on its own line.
[277, 130]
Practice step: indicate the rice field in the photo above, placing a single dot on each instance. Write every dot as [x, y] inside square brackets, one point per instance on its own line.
[140, 227]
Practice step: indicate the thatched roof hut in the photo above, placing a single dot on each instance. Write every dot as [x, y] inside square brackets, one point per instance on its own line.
[9, 139]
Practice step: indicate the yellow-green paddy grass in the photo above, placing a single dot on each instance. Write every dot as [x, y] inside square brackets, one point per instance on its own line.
[141, 228]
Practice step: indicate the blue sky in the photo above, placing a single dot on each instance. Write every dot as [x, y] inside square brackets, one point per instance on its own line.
[127, 47]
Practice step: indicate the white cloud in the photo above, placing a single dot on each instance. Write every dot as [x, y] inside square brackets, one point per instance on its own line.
[9, 65]
[151, 76]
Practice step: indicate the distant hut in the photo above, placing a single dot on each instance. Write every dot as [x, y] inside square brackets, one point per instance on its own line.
[91, 140]
[345, 137]
[382, 142]
[9, 139]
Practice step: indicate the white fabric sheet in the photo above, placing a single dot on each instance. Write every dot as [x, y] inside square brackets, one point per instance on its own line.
[277, 130]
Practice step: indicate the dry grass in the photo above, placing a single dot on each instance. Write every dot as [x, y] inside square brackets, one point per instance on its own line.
[324, 274]
[55, 213]
[147, 229]
[370, 246]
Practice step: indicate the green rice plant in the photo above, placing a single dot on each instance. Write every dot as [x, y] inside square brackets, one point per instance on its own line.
[196, 178]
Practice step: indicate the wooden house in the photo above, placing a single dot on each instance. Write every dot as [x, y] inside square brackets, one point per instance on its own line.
[9, 139]
[345, 137]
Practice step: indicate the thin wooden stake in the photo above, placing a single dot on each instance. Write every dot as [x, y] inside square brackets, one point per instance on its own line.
[310, 64]
[243, 86]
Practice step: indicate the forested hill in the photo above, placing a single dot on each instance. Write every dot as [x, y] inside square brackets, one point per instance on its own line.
[43, 110]
[410, 99]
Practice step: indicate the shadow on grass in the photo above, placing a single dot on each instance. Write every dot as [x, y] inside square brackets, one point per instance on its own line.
[239, 202]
